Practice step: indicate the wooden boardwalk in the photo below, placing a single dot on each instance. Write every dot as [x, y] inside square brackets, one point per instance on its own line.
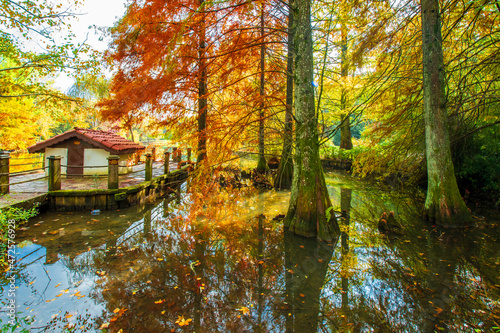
[29, 190]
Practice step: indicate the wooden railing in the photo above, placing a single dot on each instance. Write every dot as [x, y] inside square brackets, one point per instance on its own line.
[54, 169]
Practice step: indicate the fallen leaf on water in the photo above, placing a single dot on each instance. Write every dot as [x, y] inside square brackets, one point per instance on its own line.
[68, 316]
[57, 285]
[32, 282]
[302, 295]
[59, 295]
[244, 310]
[183, 322]
[438, 310]
[103, 326]
[160, 301]
[116, 310]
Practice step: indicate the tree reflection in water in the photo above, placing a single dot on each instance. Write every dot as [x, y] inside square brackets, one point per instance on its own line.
[236, 270]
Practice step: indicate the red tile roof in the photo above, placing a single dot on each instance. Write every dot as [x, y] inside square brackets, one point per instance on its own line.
[108, 141]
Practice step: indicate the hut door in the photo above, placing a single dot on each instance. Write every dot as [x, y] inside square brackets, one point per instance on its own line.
[75, 158]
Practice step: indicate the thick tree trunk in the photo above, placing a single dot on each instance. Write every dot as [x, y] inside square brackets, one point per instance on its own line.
[202, 91]
[345, 126]
[283, 180]
[261, 164]
[443, 204]
[309, 200]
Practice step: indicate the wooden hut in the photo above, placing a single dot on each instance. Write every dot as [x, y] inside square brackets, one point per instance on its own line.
[83, 148]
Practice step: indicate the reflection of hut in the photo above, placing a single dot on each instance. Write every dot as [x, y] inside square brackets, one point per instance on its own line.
[81, 148]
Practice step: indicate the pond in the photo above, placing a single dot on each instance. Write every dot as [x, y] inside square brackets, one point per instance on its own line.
[231, 268]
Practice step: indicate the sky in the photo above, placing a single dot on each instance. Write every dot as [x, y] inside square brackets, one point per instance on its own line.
[101, 13]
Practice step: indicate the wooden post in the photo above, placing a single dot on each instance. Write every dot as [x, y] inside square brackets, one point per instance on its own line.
[4, 172]
[189, 154]
[153, 152]
[174, 154]
[179, 155]
[149, 167]
[54, 173]
[113, 172]
[166, 162]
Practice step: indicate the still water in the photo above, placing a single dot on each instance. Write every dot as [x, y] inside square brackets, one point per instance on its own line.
[232, 268]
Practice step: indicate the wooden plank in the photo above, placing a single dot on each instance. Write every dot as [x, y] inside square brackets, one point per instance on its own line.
[79, 203]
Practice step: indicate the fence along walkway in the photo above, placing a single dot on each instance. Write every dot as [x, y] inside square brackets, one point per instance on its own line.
[20, 186]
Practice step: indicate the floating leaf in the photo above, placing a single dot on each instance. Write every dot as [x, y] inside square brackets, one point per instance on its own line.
[244, 310]
[183, 322]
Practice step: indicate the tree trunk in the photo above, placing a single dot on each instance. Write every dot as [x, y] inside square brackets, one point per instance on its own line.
[309, 199]
[443, 204]
[345, 126]
[261, 164]
[202, 89]
[283, 180]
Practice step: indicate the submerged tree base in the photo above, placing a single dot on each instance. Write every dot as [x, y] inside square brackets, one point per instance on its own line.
[448, 215]
[308, 214]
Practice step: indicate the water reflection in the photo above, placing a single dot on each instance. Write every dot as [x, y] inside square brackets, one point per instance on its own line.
[306, 265]
[153, 269]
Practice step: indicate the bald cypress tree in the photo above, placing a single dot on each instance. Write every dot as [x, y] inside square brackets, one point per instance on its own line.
[443, 204]
[309, 201]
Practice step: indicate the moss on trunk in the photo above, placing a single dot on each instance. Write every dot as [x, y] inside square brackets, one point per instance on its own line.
[443, 204]
[309, 200]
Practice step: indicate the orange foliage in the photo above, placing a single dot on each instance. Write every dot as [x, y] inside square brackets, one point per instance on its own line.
[175, 57]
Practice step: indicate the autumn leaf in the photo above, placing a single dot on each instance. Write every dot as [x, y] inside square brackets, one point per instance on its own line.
[182, 322]
[244, 310]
